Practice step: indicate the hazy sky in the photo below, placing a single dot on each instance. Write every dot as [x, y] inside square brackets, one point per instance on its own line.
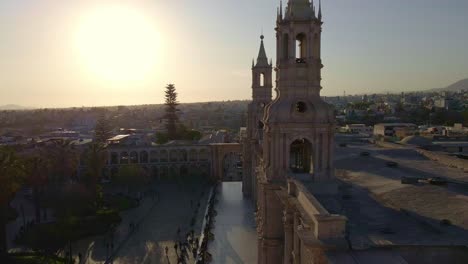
[206, 48]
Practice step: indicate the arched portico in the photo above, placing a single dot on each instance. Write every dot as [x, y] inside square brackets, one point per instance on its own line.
[222, 153]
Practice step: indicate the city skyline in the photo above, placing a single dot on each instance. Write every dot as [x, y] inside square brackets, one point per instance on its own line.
[365, 49]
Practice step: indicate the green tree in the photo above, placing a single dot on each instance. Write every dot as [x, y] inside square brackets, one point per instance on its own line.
[64, 160]
[132, 176]
[189, 134]
[171, 117]
[103, 130]
[94, 159]
[12, 173]
[37, 168]
[161, 138]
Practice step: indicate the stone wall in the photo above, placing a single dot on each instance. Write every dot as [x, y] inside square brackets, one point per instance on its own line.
[445, 159]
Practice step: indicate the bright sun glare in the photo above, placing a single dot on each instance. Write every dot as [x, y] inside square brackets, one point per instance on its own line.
[118, 44]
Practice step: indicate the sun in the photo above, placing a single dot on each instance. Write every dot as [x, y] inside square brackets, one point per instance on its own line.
[117, 43]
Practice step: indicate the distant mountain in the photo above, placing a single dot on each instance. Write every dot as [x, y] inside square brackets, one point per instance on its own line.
[460, 85]
[12, 107]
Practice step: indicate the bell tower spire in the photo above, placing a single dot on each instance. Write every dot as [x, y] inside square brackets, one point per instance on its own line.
[320, 10]
[262, 76]
[261, 97]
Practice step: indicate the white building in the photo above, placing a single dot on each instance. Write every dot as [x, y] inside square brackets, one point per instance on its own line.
[389, 129]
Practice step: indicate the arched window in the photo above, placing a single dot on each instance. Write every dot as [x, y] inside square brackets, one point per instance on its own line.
[154, 156]
[286, 46]
[183, 155]
[163, 156]
[300, 156]
[144, 157]
[301, 48]
[262, 79]
[133, 157]
[173, 155]
[193, 155]
[124, 158]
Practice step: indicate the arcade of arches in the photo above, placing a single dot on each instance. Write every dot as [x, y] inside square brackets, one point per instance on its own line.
[166, 162]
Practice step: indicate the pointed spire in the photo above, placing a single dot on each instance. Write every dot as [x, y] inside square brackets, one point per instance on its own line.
[262, 59]
[320, 10]
[281, 9]
[313, 8]
[253, 62]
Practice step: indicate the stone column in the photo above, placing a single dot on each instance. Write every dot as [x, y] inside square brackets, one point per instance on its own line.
[296, 242]
[288, 221]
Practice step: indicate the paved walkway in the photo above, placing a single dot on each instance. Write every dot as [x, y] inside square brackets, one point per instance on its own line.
[158, 224]
[235, 235]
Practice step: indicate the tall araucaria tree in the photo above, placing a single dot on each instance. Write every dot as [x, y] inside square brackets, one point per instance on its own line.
[94, 159]
[171, 117]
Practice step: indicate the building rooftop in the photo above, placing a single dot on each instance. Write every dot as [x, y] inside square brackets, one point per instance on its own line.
[118, 137]
[383, 212]
[395, 124]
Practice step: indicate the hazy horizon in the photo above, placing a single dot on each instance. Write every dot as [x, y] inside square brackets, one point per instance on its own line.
[106, 53]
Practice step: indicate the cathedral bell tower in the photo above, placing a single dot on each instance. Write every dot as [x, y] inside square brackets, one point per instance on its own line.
[262, 85]
[299, 125]
[262, 77]
[298, 134]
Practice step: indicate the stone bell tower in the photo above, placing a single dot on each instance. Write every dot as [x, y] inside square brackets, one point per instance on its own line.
[262, 84]
[298, 136]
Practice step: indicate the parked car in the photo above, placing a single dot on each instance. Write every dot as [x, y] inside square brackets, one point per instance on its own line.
[437, 181]
[365, 154]
[392, 164]
[409, 180]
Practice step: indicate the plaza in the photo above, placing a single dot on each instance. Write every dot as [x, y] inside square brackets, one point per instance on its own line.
[156, 227]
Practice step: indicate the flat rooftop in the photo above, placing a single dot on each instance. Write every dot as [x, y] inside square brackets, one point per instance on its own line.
[384, 212]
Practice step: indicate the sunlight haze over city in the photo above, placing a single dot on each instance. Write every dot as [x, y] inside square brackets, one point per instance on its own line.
[95, 53]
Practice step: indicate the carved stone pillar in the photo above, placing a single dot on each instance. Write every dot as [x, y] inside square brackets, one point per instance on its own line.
[296, 241]
[288, 221]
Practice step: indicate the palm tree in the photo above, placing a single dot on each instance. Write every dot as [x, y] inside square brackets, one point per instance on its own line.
[12, 172]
